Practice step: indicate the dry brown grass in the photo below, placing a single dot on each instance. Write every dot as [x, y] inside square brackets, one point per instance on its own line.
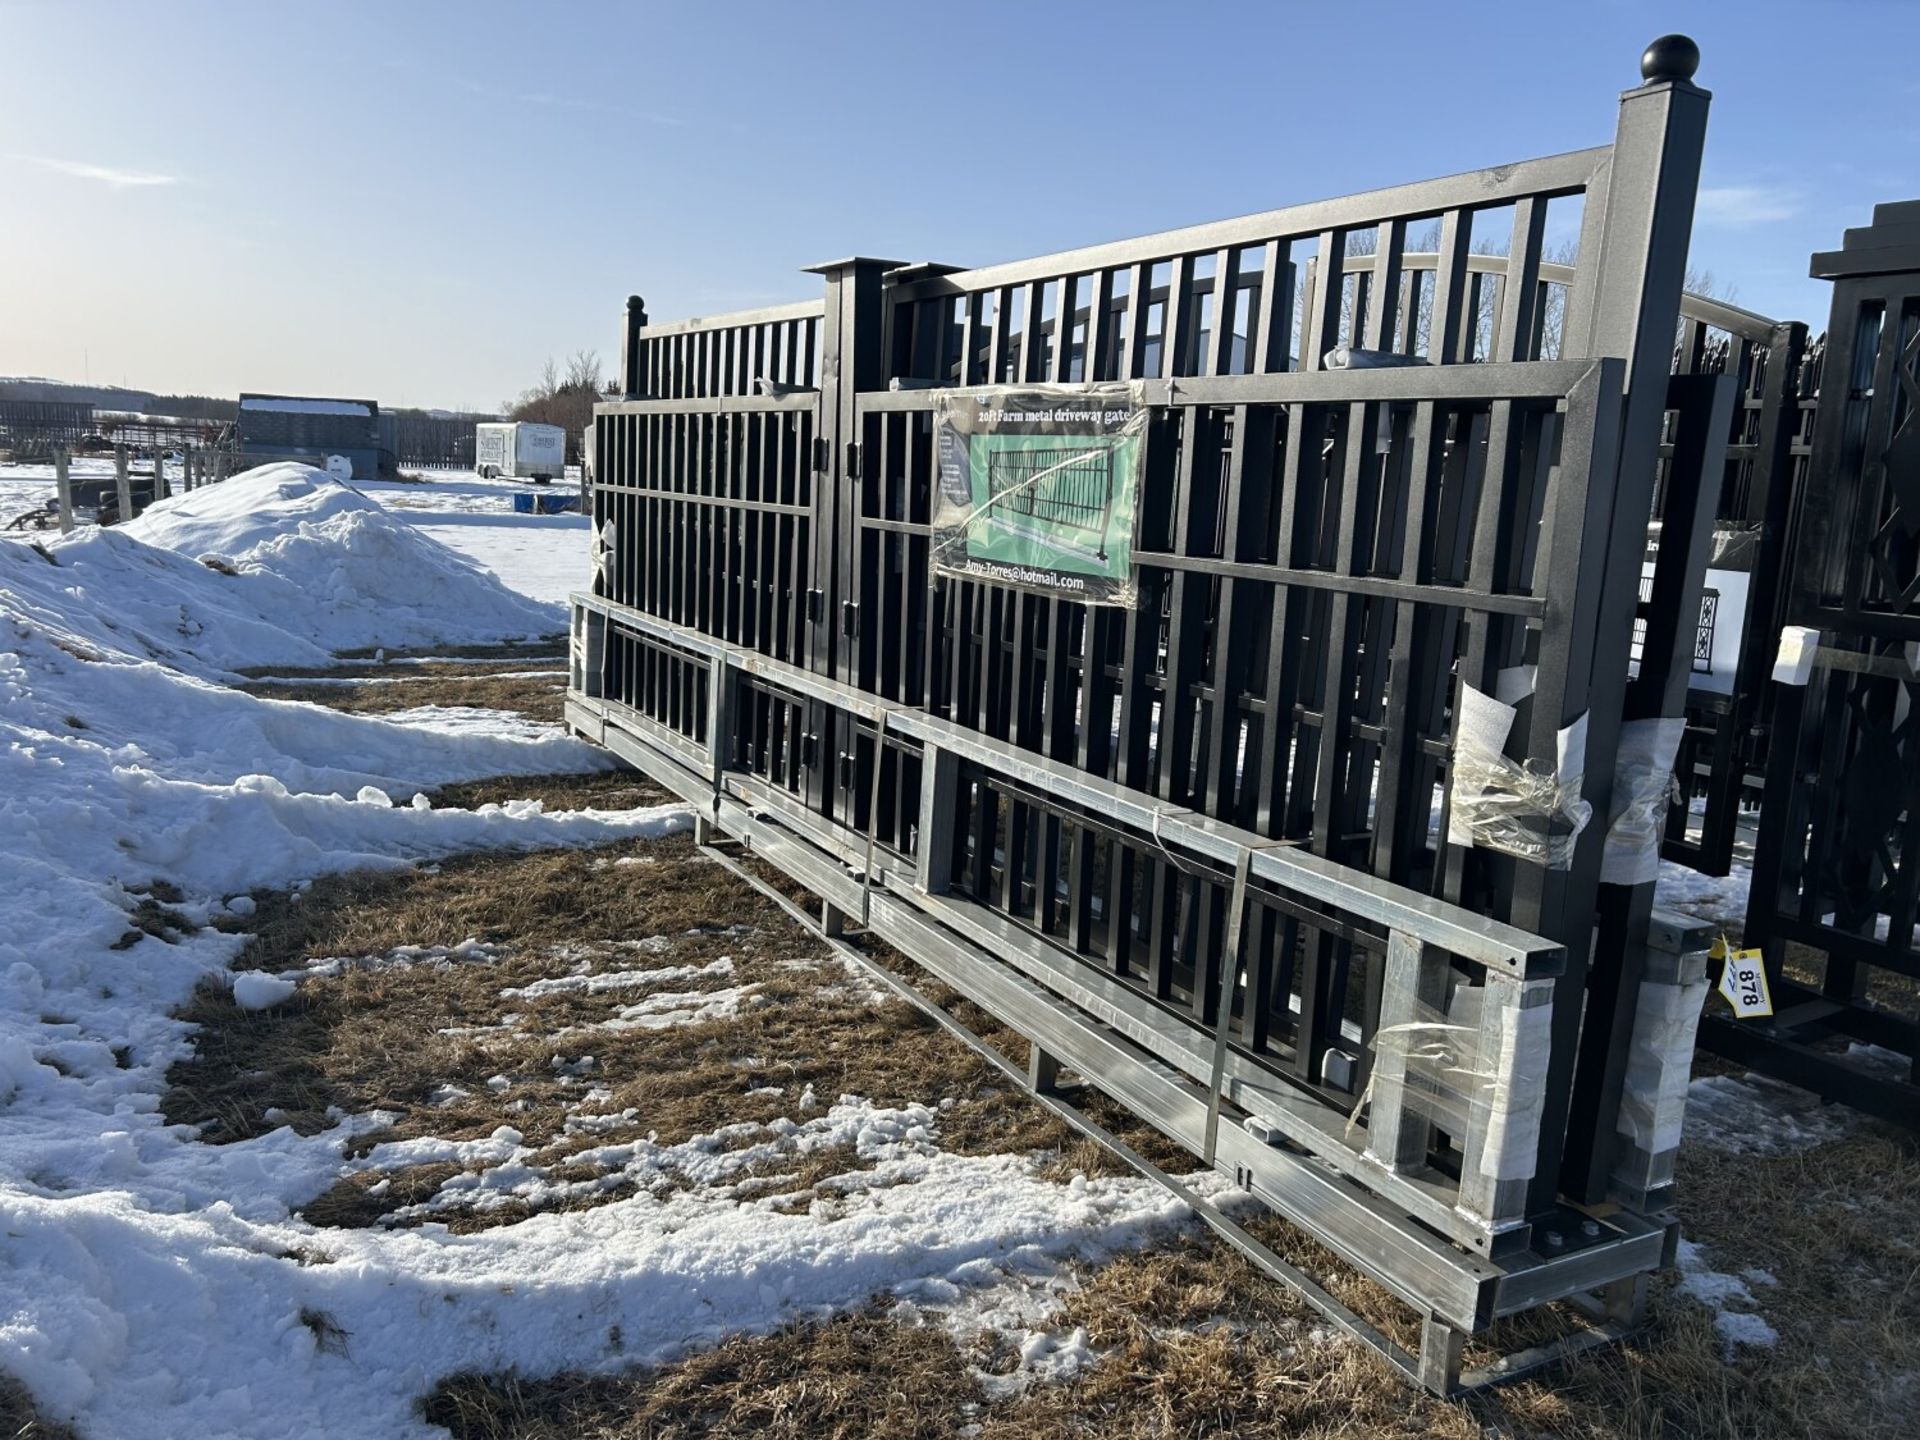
[538, 698]
[608, 790]
[20, 1419]
[857, 1375]
[1193, 1341]
[376, 1038]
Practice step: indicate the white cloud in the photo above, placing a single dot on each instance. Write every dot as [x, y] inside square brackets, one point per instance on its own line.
[105, 174]
[1745, 204]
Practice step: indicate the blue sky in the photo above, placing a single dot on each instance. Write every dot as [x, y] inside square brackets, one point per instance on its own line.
[420, 202]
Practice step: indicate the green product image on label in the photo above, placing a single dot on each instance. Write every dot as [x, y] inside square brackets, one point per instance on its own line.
[1053, 502]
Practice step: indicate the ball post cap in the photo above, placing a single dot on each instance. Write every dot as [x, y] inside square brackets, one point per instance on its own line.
[634, 302]
[1671, 57]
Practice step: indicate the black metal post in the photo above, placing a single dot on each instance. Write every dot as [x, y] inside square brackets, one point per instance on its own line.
[1625, 302]
[636, 321]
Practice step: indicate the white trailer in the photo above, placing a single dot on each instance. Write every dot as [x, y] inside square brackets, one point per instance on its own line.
[521, 449]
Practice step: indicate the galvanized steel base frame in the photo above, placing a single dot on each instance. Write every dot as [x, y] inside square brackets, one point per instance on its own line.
[1198, 851]
[1284, 1149]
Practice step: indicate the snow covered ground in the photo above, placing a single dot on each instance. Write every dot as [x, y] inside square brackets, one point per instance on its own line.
[30, 487]
[126, 769]
[154, 1285]
[543, 556]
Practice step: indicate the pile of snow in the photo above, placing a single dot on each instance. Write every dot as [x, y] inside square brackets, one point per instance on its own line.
[122, 766]
[212, 575]
[118, 771]
[152, 1285]
[78, 697]
[254, 510]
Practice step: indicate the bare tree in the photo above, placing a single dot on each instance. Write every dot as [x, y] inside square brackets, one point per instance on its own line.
[583, 371]
[563, 396]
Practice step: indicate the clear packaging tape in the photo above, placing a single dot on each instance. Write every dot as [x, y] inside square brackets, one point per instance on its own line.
[1736, 546]
[1526, 809]
[1643, 784]
[1457, 1064]
[605, 559]
[1653, 1098]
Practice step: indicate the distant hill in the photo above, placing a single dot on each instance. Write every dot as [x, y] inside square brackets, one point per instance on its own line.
[101, 397]
[187, 407]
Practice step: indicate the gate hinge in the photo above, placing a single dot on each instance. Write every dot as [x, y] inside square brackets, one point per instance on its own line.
[816, 601]
[850, 618]
[819, 454]
[853, 459]
[810, 749]
[846, 770]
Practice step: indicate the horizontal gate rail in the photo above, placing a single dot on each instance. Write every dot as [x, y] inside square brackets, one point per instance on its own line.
[1298, 1156]
[732, 355]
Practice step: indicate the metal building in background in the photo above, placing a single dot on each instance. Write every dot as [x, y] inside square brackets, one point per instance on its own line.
[310, 428]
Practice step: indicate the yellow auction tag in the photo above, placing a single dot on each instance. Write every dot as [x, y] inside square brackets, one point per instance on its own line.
[1744, 982]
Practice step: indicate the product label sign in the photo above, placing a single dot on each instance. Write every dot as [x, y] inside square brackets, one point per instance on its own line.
[1038, 486]
[1744, 983]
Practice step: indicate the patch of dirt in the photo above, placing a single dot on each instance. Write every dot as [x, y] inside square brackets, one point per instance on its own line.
[603, 790]
[538, 698]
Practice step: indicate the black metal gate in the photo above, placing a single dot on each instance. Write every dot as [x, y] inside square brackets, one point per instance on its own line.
[1209, 840]
[1836, 891]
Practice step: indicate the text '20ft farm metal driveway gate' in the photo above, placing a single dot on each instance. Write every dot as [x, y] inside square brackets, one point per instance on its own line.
[1312, 850]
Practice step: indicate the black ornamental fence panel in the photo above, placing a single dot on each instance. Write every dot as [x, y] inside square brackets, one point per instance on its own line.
[1723, 753]
[1239, 851]
[1836, 890]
